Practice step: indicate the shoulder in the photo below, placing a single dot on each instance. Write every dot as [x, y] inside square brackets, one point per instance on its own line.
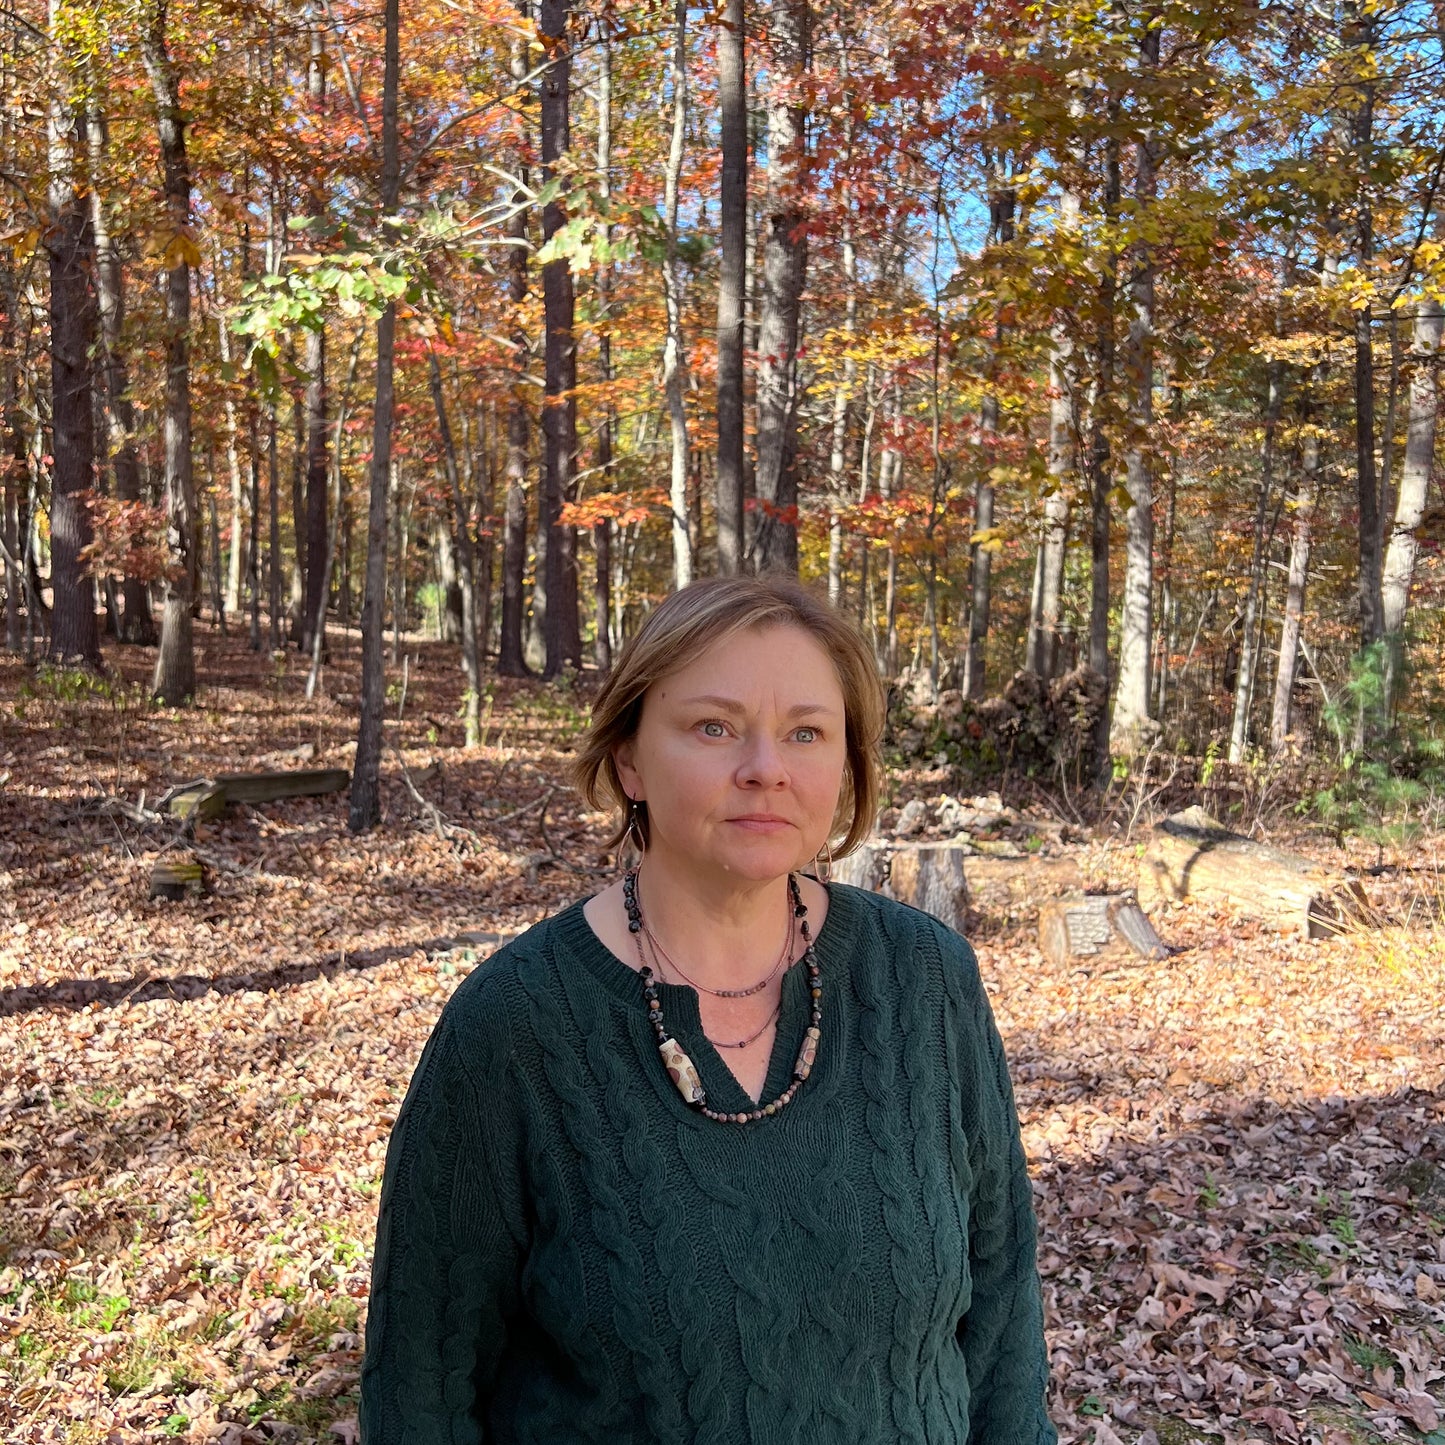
[490, 1005]
[886, 929]
[872, 918]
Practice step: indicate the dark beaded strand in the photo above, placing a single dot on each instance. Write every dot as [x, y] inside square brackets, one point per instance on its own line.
[680, 1068]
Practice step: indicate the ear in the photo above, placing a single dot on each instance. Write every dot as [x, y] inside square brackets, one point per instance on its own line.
[622, 758]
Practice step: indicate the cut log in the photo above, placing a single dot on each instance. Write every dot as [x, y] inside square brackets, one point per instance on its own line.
[175, 878]
[209, 797]
[1097, 926]
[1193, 855]
[200, 802]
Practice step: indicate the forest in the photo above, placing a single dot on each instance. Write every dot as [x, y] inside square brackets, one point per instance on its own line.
[369, 373]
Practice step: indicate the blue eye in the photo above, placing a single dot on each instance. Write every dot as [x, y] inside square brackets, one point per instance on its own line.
[714, 730]
[806, 735]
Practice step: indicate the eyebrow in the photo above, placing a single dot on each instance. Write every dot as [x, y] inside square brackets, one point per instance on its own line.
[731, 705]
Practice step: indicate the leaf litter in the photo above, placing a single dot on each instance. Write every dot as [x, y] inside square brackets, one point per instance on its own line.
[1238, 1152]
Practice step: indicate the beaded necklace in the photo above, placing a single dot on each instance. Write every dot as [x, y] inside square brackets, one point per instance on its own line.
[681, 1069]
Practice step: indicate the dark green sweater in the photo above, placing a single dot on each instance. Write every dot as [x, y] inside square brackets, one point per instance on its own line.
[567, 1252]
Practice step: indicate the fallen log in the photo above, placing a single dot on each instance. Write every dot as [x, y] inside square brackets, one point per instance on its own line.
[209, 797]
[1192, 855]
[1102, 926]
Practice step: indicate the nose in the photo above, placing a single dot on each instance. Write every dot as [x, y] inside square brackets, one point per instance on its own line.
[762, 764]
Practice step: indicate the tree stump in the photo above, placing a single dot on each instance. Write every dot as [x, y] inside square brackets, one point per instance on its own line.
[176, 878]
[1192, 855]
[1097, 926]
[929, 876]
[948, 879]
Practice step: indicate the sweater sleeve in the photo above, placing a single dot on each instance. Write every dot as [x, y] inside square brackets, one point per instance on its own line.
[1002, 1334]
[448, 1249]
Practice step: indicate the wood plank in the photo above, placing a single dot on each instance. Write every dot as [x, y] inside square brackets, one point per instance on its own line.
[273, 786]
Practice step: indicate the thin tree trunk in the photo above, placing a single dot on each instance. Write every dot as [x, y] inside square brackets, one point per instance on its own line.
[338, 543]
[235, 559]
[1132, 727]
[14, 545]
[785, 264]
[1044, 634]
[1002, 202]
[461, 525]
[1099, 450]
[365, 810]
[842, 407]
[1294, 605]
[1424, 405]
[253, 550]
[560, 359]
[318, 470]
[74, 637]
[732, 283]
[137, 624]
[511, 661]
[1249, 645]
[174, 681]
[296, 607]
[273, 548]
[1372, 623]
[674, 363]
[602, 532]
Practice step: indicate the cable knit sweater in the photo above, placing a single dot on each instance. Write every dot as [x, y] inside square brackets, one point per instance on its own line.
[567, 1252]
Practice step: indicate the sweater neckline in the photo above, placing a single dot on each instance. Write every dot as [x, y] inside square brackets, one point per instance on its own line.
[680, 1002]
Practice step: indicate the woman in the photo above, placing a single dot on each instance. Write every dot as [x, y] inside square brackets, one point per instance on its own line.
[722, 1154]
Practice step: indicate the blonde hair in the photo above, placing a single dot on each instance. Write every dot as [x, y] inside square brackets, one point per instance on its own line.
[680, 630]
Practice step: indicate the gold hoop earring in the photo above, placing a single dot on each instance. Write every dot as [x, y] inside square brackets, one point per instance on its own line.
[634, 834]
[823, 863]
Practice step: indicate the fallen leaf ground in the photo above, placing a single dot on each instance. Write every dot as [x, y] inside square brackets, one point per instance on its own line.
[1239, 1152]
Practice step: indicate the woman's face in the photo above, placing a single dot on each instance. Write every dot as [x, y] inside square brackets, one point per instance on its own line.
[739, 756]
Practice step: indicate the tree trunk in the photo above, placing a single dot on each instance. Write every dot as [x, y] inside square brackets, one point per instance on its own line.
[1132, 727]
[1415, 472]
[674, 363]
[510, 660]
[1249, 645]
[174, 681]
[338, 539]
[1044, 634]
[560, 352]
[602, 532]
[10, 523]
[235, 560]
[137, 624]
[318, 471]
[785, 264]
[296, 602]
[461, 524]
[1099, 451]
[1294, 604]
[74, 637]
[732, 283]
[365, 810]
[1372, 623]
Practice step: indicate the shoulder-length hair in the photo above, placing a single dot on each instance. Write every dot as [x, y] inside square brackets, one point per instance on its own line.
[680, 630]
